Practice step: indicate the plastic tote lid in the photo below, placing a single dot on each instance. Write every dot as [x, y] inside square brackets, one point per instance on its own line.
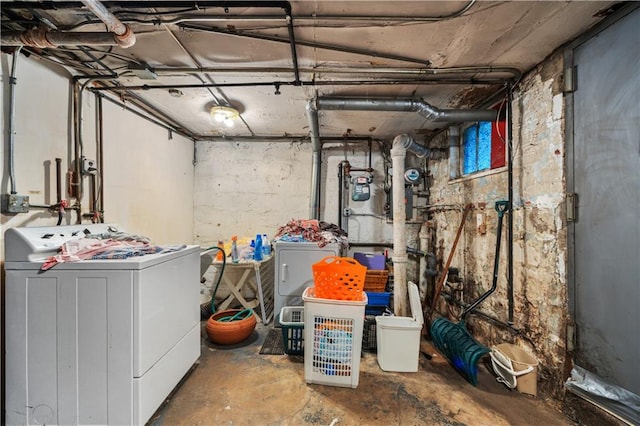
[414, 301]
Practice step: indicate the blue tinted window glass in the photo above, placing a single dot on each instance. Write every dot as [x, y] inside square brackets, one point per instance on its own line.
[470, 160]
[484, 146]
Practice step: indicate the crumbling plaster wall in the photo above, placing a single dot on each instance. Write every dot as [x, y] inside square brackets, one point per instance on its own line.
[539, 228]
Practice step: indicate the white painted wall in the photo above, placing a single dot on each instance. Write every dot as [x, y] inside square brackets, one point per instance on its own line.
[42, 133]
[148, 176]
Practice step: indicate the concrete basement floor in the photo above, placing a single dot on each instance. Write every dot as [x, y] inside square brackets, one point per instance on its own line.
[235, 385]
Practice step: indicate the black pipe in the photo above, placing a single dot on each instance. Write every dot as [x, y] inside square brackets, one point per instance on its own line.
[205, 4]
[292, 43]
[58, 180]
[510, 203]
[501, 207]
[98, 61]
[149, 119]
[449, 297]
[345, 138]
[92, 193]
[59, 189]
[410, 250]
[385, 245]
[76, 175]
[189, 86]
[308, 83]
[340, 194]
[99, 142]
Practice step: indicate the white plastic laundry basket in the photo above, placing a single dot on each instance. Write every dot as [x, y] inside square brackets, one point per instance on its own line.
[332, 339]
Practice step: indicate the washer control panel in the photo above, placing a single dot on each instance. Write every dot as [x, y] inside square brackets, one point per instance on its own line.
[39, 242]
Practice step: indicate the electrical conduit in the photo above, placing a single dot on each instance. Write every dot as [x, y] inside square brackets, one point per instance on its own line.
[12, 119]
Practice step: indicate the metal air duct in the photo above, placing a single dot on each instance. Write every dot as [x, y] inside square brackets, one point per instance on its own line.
[416, 105]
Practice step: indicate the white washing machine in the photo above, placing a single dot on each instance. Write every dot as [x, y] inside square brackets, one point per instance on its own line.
[95, 341]
[294, 270]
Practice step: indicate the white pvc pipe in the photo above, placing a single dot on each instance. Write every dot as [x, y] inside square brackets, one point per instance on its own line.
[124, 35]
[424, 247]
[398, 153]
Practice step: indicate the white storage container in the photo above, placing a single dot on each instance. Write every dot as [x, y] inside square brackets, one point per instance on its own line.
[398, 338]
[333, 340]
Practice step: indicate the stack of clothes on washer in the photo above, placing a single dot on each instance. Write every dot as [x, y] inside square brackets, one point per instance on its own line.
[312, 230]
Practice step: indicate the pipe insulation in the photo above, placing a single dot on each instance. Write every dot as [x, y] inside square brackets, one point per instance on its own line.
[398, 154]
[43, 38]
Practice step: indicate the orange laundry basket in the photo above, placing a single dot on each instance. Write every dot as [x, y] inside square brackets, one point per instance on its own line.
[338, 278]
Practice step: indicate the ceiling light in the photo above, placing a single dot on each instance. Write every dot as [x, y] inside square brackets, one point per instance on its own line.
[223, 114]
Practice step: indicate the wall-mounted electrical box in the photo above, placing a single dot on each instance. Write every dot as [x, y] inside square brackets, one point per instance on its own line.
[13, 203]
[89, 167]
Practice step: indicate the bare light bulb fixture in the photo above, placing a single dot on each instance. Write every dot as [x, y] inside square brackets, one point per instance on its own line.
[224, 114]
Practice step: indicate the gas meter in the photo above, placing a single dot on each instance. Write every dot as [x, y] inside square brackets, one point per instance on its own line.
[361, 190]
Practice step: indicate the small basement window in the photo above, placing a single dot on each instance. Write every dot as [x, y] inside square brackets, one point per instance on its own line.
[482, 147]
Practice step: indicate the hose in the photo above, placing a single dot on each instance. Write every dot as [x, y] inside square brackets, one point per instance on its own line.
[208, 308]
[239, 316]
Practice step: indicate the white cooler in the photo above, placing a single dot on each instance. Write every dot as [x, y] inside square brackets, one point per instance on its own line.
[398, 338]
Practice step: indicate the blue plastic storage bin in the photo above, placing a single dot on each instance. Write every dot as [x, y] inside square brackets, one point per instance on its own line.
[378, 303]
